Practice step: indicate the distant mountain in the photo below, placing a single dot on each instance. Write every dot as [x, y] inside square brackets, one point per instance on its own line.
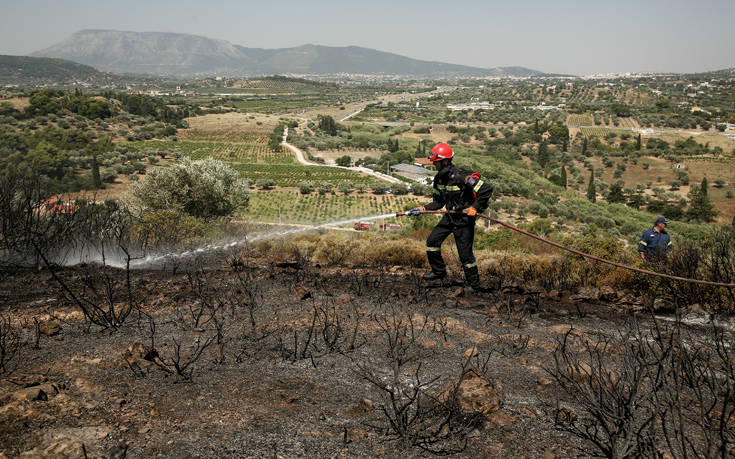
[40, 70]
[724, 73]
[182, 55]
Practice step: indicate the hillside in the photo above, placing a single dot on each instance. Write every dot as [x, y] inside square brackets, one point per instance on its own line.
[186, 55]
[36, 70]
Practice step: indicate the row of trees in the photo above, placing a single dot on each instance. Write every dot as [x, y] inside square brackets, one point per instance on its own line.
[307, 187]
[700, 209]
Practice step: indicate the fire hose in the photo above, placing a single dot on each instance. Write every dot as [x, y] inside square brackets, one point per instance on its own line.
[574, 251]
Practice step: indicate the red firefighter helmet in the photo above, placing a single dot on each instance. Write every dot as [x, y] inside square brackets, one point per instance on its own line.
[441, 151]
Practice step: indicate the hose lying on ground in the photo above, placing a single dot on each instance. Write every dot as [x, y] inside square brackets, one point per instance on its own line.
[577, 252]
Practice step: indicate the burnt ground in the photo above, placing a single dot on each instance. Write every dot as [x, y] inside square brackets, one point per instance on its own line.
[270, 388]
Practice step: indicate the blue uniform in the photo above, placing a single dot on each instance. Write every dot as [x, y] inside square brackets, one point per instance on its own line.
[655, 243]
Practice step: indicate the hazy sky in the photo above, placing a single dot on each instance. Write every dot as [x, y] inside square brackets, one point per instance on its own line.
[576, 37]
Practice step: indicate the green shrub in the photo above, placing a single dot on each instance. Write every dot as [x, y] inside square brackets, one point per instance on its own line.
[108, 175]
[205, 189]
[345, 187]
[306, 187]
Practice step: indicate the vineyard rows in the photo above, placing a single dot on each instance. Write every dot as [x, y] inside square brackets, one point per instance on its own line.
[228, 135]
[601, 132]
[229, 152]
[288, 175]
[316, 208]
[627, 123]
[579, 120]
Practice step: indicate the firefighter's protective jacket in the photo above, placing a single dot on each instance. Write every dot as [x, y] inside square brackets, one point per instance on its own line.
[458, 189]
[655, 243]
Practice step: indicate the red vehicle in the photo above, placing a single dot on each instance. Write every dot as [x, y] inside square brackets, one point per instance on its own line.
[361, 226]
[389, 226]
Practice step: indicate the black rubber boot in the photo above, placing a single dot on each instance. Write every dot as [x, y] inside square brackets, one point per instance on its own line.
[472, 276]
[432, 276]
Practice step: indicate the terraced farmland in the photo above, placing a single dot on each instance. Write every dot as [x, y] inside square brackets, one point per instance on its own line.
[316, 208]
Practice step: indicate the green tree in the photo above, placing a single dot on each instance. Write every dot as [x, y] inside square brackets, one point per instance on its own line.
[378, 188]
[399, 188]
[543, 154]
[564, 176]
[620, 109]
[615, 193]
[584, 146]
[306, 187]
[393, 145]
[96, 179]
[558, 134]
[328, 125]
[344, 161]
[700, 207]
[638, 143]
[206, 189]
[591, 190]
[344, 187]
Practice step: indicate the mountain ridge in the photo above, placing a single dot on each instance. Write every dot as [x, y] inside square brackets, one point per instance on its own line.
[185, 55]
[44, 70]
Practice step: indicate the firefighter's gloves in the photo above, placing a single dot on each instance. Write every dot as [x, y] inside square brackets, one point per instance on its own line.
[416, 211]
[471, 211]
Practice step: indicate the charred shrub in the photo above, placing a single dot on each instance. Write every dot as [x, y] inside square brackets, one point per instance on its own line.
[652, 392]
[98, 233]
[415, 412]
[331, 329]
[11, 344]
[615, 395]
[712, 260]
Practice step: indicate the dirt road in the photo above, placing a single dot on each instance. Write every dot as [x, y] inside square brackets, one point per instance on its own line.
[301, 158]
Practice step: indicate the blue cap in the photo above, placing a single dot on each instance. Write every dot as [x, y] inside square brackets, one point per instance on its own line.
[661, 220]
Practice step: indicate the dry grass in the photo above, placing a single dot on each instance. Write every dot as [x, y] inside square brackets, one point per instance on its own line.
[439, 133]
[231, 123]
[331, 110]
[18, 103]
[714, 140]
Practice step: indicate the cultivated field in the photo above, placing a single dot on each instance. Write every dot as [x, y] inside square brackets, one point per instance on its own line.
[228, 126]
[288, 175]
[601, 132]
[315, 208]
[256, 151]
[580, 120]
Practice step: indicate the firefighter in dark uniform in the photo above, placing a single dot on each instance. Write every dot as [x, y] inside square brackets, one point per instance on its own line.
[461, 191]
[655, 242]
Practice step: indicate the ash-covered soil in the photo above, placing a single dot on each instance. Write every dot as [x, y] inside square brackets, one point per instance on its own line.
[296, 360]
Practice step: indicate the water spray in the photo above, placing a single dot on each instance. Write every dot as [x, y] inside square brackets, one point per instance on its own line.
[211, 248]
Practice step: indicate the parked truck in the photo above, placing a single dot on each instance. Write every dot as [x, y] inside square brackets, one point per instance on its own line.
[363, 226]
